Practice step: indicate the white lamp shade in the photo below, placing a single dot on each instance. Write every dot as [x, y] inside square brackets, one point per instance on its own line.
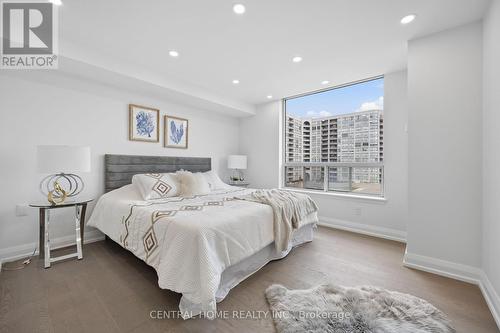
[237, 162]
[66, 159]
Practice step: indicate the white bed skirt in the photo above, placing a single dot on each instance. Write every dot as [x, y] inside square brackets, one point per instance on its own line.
[235, 274]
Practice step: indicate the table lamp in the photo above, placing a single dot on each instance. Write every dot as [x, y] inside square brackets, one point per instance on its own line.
[61, 162]
[237, 163]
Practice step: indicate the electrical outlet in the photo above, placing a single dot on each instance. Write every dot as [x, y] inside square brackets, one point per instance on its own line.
[22, 210]
[357, 211]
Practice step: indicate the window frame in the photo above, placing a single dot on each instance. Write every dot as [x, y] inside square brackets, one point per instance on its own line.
[327, 165]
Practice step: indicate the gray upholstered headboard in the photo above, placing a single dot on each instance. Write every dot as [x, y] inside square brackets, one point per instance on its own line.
[119, 169]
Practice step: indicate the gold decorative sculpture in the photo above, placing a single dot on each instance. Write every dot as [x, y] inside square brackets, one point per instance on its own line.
[57, 195]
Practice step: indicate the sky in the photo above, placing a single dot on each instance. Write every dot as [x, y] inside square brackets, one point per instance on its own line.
[359, 97]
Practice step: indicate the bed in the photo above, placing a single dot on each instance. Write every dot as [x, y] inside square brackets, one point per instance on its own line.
[200, 246]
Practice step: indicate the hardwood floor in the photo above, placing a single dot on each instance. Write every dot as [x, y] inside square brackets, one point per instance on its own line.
[110, 290]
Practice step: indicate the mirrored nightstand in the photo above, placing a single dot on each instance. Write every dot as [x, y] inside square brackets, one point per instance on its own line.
[80, 207]
[239, 183]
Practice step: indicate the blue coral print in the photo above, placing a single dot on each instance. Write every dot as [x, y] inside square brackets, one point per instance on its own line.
[176, 133]
[145, 123]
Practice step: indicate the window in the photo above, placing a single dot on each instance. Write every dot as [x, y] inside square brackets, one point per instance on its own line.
[334, 139]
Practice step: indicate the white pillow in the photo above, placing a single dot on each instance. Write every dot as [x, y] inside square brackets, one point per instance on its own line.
[157, 185]
[192, 183]
[214, 181]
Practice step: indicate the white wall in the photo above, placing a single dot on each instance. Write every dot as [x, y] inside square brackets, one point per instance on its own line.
[444, 145]
[491, 144]
[260, 140]
[76, 112]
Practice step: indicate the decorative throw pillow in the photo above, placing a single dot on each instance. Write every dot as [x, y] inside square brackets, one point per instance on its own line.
[157, 185]
[214, 181]
[192, 183]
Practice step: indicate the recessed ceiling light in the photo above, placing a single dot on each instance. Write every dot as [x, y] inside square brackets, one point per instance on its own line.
[408, 19]
[297, 59]
[236, 81]
[325, 82]
[56, 2]
[173, 53]
[239, 9]
[269, 96]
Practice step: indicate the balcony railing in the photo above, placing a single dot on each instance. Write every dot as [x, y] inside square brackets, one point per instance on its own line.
[355, 178]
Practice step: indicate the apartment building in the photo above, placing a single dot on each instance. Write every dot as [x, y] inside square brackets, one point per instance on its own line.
[294, 148]
[353, 138]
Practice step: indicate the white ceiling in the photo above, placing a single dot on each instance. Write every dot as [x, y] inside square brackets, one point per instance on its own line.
[340, 40]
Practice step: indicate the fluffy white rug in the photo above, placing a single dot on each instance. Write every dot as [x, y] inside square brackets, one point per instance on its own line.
[335, 309]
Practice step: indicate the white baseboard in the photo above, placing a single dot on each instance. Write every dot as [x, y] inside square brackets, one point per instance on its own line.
[26, 250]
[441, 267]
[365, 229]
[491, 297]
[460, 272]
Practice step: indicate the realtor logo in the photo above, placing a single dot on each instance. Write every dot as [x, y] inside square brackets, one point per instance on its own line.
[29, 36]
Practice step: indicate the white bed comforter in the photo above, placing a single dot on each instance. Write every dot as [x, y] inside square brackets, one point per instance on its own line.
[189, 241]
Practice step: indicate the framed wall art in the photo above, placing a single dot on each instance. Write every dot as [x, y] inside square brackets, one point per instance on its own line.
[176, 132]
[144, 123]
